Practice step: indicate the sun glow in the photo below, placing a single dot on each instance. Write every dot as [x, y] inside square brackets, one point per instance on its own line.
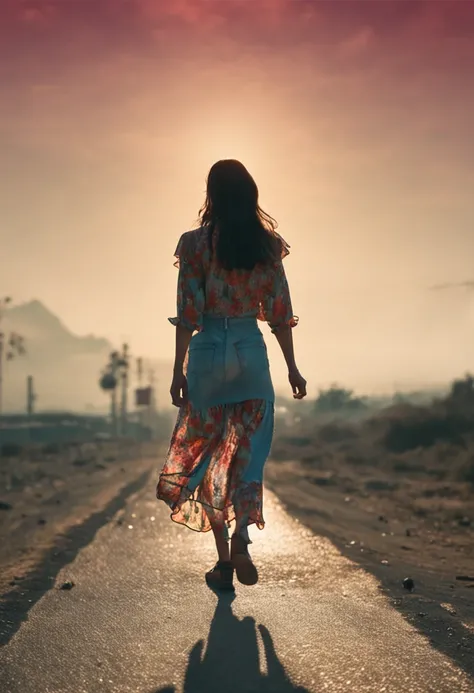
[228, 142]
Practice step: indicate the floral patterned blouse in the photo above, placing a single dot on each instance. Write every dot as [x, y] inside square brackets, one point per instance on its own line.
[204, 287]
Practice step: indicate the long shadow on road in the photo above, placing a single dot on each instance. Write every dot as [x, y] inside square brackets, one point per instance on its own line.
[231, 660]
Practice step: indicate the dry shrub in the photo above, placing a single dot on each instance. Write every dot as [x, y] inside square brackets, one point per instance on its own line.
[51, 449]
[431, 443]
[409, 427]
[11, 450]
[466, 471]
[424, 428]
[336, 433]
[290, 447]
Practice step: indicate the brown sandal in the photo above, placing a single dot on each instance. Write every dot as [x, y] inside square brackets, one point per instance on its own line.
[221, 576]
[245, 570]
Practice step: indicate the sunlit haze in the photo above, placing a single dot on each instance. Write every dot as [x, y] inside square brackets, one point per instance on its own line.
[355, 118]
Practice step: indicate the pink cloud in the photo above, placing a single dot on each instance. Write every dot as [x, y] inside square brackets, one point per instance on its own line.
[204, 12]
[352, 22]
[358, 43]
[29, 11]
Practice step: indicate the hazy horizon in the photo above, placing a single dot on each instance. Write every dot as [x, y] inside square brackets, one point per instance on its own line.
[355, 118]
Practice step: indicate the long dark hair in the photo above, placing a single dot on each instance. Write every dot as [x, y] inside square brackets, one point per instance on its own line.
[246, 234]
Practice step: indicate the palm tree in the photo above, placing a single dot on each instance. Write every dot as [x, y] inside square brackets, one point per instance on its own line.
[116, 371]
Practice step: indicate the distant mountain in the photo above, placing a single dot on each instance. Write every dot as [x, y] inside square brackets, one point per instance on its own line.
[39, 325]
[66, 367]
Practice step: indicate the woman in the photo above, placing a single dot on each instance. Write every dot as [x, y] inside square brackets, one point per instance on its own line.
[230, 275]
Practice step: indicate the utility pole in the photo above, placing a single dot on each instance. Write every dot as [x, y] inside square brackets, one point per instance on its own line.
[139, 386]
[152, 403]
[113, 395]
[124, 377]
[3, 305]
[30, 395]
[108, 382]
[139, 371]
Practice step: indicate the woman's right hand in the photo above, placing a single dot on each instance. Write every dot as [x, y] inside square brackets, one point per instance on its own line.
[298, 384]
[179, 389]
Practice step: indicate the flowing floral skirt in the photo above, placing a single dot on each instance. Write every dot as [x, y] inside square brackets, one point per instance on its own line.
[214, 468]
[213, 472]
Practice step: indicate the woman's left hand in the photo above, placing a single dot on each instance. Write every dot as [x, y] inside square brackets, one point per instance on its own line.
[179, 389]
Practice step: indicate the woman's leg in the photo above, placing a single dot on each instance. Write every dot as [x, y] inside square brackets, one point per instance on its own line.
[249, 498]
[260, 444]
[221, 576]
[221, 539]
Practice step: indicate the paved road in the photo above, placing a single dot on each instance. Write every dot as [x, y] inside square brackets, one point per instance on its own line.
[141, 620]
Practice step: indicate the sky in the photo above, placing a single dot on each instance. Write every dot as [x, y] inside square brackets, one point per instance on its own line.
[356, 118]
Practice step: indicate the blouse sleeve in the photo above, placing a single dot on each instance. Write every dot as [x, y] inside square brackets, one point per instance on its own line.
[190, 294]
[277, 306]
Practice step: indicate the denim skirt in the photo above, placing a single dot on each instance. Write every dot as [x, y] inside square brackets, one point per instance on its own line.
[228, 362]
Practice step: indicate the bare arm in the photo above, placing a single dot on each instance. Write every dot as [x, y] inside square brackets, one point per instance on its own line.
[183, 338]
[279, 314]
[284, 337]
[179, 384]
[190, 304]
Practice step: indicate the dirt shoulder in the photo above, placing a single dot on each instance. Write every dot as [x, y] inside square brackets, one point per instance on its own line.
[45, 493]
